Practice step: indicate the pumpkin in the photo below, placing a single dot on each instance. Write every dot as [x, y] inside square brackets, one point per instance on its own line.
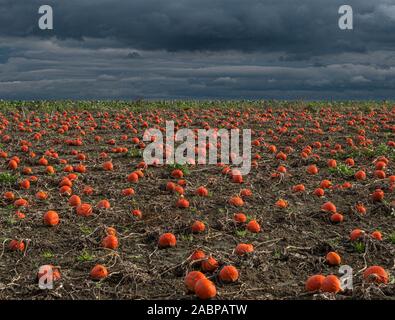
[88, 190]
[240, 217]
[319, 192]
[182, 203]
[12, 164]
[298, 188]
[314, 283]
[312, 169]
[44, 269]
[236, 201]
[333, 258]
[21, 203]
[360, 175]
[331, 284]
[202, 191]
[9, 196]
[133, 177]
[360, 208]
[51, 218]
[99, 272]
[337, 217]
[253, 226]
[178, 174]
[128, 192]
[281, 203]
[84, 209]
[110, 242]
[197, 255]
[192, 278]
[205, 289]
[167, 240]
[170, 186]
[378, 195]
[209, 265]
[104, 204]
[244, 248]
[16, 245]
[332, 163]
[137, 213]
[41, 195]
[356, 234]
[329, 207]
[375, 274]
[377, 235]
[198, 227]
[228, 274]
[25, 184]
[108, 166]
[111, 231]
[65, 190]
[74, 201]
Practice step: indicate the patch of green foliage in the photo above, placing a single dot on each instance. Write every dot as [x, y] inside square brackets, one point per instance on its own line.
[183, 167]
[7, 178]
[47, 255]
[85, 256]
[342, 170]
[392, 237]
[241, 233]
[134, 153]
[85, 230]
[359, 247]
[381, 150]
[187, 237]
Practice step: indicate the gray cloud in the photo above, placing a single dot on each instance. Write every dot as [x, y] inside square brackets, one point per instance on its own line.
[203, 49]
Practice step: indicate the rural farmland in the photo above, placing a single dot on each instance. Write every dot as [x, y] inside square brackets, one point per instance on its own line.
[78, 198]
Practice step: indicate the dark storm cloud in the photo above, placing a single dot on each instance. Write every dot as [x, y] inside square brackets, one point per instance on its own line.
[302, 27]
[197, 49]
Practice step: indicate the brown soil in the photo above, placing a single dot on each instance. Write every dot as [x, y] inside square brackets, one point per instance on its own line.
[291, 247]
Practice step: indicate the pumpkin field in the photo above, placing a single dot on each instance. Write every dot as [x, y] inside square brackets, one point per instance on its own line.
[77, 197]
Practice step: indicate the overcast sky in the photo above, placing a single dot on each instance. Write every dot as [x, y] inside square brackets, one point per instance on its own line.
[166, 49]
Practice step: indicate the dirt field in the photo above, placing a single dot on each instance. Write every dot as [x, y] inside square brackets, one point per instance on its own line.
[293, 241]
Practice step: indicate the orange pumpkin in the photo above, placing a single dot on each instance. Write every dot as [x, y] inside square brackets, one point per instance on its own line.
[104, 204]
[236, 201]
[244, 248]
[333, 258]
[84, 209]
[356, 234]
[110, 242]
[328, 207]
[314, 283]
[228, 274]
[99, 272]
[74, 201]
[167, 240]
[202, 191]
[209, 265]
[205, 289]
[55, 272]
[240, 217]
[253, 226]
[375, 274]
[191, 278]
[51, 218]
[16, 245]
[331, 284]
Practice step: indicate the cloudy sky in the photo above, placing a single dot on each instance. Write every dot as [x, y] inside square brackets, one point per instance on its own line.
[206, 49]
